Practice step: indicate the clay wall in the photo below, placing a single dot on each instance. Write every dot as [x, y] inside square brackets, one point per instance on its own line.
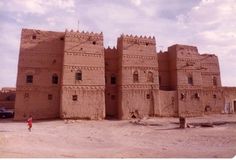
[138, 76]
[210, 70]
[188, 79]
[229, 94]
[213, 101]
[141, 102]
[168, 102]
[164, 71]
[41, 58]
[190, 102]
[93, 82]
[7, 98]
[111, 74]
[172, 67]
[188, 64]
[83, 81]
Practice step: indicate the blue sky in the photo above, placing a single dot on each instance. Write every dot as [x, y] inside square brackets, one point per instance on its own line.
[208, 24]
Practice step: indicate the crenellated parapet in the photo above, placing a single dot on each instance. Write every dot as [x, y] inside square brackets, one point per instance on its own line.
[141, 40]
[110, 50]
[89, 36]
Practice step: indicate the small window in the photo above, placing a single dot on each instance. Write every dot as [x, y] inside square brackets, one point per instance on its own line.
[34, 37]
[74, 97]
[214, 96]
[94, 43]
[62, 38]
[113, 97]
[147, 44]
[8, 98]
[54, 79]
[190, 80]
[26, 95]
[182, 96]
[148, 96]
[150, 77]
[78, 75]
[135, 77]
[113, 80]
[207, 108]
[49, 97]
[29, 79]
[197, 96]
[214, 81]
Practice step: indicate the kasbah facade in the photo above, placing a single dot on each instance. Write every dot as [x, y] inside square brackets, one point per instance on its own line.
[70, 75]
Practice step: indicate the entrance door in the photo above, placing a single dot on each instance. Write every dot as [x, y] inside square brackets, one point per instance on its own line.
[111, 105]
[234, 106]
[150, 96]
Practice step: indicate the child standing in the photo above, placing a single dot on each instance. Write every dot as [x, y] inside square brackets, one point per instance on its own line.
[30, 121]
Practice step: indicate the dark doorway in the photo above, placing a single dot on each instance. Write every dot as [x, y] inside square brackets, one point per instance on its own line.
[150, 97]
[111, 104]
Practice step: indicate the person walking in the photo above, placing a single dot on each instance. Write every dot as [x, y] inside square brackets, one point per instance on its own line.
[30, 122]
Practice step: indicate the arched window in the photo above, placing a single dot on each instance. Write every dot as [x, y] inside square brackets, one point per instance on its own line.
[135, 77]
[78, 75]
[150, 77]
[190, 79]
[54, 79]
[214, 81]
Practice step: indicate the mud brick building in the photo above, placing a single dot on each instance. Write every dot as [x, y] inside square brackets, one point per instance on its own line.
[7, 97]
[71, 75]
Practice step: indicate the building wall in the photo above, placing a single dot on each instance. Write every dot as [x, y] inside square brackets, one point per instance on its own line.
[41, 57]
[164, 71]
[123, 82]
[137, 55]
[209, 70]
[7, 98]
[83, 53]
[168, 104]
[111, 74]
[213, 101]
[229, 94]
[195, 95]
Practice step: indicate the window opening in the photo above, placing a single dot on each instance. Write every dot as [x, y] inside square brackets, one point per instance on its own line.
[190, 80]
[113, 80]
[49, 97]
[135, 77]
[29, 79]
[74, 97]
[54, 79]
[150, 77]
[78, 75]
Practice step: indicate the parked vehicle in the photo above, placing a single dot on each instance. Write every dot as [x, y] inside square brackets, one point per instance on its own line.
[4, 113]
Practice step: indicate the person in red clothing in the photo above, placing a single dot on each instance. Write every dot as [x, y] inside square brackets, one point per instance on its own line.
[30, 121]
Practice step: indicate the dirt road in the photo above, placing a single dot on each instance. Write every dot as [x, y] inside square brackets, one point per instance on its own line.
[154, 137]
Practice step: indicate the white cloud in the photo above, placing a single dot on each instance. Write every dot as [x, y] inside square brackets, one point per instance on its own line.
[136, 2]
[208, 24]
[38, 7]
[26, 6]
[213, 28]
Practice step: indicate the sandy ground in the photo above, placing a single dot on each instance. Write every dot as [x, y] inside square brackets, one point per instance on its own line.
[154, 137]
